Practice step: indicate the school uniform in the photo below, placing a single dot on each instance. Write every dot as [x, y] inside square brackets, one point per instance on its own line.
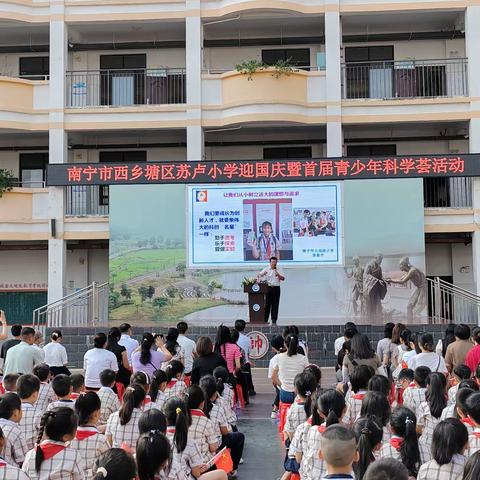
[124, 434]
[354, 406]
[228, 395]
[9, 472]
[452, 394]
[109, 403]
[413, 396]
[15, 443]
[90, 443]
[448, 412]
[29, 424]
[450, 471]
[158, 404]
[391, 449]
[190, 458]
[218, 418]
[230, 415]
[473, 442]
[299, 444]
[468, 424]
[60, 463]
[426, 420]
[203, 432]
[61, 403]
[295, 416]
[313, 466]
[46, 395]
[175, 472]
[175, 388]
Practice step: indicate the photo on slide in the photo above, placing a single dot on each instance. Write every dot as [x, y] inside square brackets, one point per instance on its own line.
[314, 221]
[267, 229]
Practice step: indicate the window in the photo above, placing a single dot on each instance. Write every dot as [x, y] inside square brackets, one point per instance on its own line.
[34, 68]
[371, 150]
[299, 57]
[132, 156]
[277, 153]
[32, 169]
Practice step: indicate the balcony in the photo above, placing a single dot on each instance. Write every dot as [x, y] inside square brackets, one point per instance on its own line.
[86, 200]
[405, 79]
[124, 88]
[453, 192]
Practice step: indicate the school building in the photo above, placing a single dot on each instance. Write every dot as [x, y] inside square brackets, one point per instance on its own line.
[154, 80]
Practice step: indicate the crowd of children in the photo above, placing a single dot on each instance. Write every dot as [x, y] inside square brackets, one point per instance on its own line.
[389, 423]
[53, 427]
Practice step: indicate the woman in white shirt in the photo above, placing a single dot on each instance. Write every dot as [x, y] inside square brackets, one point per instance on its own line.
[427, 357]
[56, 354]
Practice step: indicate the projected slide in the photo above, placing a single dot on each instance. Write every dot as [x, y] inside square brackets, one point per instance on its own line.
[241, 224]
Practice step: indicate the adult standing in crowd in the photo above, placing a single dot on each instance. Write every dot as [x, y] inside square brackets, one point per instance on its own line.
[148, 359]
[56, 354]
[96, 360]
[349, 330]
[289, 365]
[272, 276]
[172, 345]
[15, 330]
[383, 345]
[120, 352]
[361, 353]
[473, 356]
[127, 341]
[188, 346]
[427, 357]
[244, 343]
[228, 350]
[22, 357]
[448, 338]
[207, 360]
[458, 350]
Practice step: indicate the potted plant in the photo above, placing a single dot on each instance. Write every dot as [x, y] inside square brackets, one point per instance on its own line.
[250, 67]
[6, 181]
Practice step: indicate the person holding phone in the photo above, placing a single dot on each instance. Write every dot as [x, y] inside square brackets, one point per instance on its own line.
[272, 276]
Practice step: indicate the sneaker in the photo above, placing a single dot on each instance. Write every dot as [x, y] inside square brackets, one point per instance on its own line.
[232, 474]
[273, 415]
[241, 461]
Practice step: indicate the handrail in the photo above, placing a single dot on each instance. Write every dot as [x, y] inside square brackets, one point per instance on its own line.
[410, 61]
[220, 71]
[127, 70]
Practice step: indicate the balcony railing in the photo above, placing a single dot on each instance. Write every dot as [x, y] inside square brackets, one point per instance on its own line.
[454, 192]
[87, 200]
[159, 86]
[405, 79]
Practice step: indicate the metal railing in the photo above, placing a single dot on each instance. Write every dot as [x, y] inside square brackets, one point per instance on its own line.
[117, 88]
[445, 192]
[28, 184]
[219, 71]
[450, 303]
[405, 79]
[86, 200]
[87, 307]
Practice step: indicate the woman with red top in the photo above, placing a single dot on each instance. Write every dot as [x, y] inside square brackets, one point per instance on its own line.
[473, 356]
[228, 350]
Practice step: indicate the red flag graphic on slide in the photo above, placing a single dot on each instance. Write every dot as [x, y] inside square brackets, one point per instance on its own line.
[202, 196]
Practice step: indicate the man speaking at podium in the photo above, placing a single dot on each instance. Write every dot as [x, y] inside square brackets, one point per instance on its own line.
[272, 276]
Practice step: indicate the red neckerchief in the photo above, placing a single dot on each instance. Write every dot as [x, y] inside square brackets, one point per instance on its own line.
[358, 396]
[74, 395]
[171, 430]
[85, 432]
[412, 385]
[197, 413]
[467, 421]
[50, 449]
[396, 443]
[321, 428]
[3, 463]
[2, 389]
[476, 432]
[404, 364]
[148, 399]
[309, 421]
[172, 382]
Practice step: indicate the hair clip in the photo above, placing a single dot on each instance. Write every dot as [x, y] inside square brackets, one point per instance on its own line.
[130, 389]
[409, 420]
[178, 410]
[103, 471]
[308, 393]
[366, 431]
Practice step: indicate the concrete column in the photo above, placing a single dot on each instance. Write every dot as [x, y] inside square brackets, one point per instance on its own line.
[472, 42]
[333, 41]
[194, 55]
[57, 152]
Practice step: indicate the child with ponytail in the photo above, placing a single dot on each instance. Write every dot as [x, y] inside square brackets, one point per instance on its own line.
[369, 433]
[359, 379]
[115, 464]
[52, 458]
[176, 387]
[403, 444]
[430, 411]
[185, 450]
[330, 410]
[225, 395]
[7, 471]
[377, 404]
[157, 390]
[122, 426]
[88, 440]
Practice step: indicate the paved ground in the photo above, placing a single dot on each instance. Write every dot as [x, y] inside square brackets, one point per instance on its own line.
[264, 453]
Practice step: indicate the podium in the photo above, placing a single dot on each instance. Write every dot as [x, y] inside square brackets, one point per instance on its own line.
[256, 301]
